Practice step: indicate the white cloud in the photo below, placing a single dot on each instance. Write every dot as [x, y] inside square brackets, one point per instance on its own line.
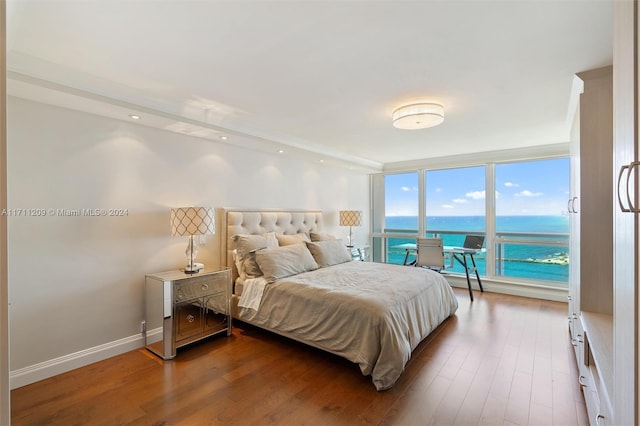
[460, 201]
[447, 206]
[511, 184]
[476, 195]
[407, 189]
[527, 193]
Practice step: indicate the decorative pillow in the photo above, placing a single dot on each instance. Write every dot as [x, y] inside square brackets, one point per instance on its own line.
[286, 240]
[321, 236]
[329, 252]
[246, 247]
[280, 262]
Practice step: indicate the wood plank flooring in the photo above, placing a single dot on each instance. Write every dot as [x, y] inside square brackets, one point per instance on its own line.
[501, 360]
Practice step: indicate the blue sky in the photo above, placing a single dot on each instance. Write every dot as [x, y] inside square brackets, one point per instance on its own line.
[524, 188]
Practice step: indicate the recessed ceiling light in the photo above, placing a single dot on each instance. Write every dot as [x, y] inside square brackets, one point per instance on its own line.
[322, 161]
[280, 151]
[135, 117]
[224, 138]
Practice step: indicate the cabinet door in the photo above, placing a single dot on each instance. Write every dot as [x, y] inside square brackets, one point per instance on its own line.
[625, 49]
[215, 312]
[188, 321]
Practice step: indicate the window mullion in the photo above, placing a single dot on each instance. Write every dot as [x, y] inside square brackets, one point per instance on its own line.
[490, 218]
[422, 203]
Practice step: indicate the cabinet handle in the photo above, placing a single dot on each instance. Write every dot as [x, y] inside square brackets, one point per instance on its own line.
[205, 287]
[622, 207]
[600, 420]
[581, 381]
[630, 206]
[569, 205]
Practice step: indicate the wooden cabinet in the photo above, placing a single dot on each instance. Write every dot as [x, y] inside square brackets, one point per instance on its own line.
[625, 181]
[182, 308]
[591, 264]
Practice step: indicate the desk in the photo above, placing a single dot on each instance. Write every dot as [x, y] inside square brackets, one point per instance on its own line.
[458, 254]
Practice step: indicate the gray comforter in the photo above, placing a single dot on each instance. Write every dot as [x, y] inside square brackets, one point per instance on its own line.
[373, 314]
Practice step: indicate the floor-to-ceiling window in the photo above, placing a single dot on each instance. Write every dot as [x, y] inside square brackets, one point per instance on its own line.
[401, 206]
[519, 207]
[455, 207]
[532, 226]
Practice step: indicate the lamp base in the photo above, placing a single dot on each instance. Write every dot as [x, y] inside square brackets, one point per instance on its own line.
[197, 267]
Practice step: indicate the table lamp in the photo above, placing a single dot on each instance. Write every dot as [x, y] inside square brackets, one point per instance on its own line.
[192, 221]
[350, 218]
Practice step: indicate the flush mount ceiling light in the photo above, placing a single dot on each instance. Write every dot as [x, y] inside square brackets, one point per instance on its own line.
[418, 116]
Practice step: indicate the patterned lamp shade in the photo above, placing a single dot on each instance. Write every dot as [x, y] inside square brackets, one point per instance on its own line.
[350, 218]
[192, 221]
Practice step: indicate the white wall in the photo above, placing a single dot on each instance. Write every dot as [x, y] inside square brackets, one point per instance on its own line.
[76, 283]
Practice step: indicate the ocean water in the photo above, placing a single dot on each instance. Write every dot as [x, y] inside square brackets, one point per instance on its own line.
[530, 261]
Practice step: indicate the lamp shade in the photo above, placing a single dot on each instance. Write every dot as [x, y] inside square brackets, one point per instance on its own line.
[192, 221]
[350, 218]
[418, 116]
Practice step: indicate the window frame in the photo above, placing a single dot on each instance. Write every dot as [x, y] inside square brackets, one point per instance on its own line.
[489, 160]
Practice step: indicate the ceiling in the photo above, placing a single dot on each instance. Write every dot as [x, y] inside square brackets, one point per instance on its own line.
[321, 77]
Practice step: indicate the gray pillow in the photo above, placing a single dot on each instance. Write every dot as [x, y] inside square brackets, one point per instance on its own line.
[281, 262]
[246, 246]
[329, 252]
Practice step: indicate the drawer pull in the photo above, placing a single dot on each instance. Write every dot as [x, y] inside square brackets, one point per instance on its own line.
[600, 420]
[191, 318]
[205, 287]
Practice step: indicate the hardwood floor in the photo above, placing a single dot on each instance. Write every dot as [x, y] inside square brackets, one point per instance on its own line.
[501, 360]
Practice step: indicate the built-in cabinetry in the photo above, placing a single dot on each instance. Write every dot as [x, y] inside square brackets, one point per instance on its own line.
[591, 263]
[607, 344]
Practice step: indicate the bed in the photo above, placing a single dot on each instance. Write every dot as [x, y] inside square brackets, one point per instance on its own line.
[373, 314]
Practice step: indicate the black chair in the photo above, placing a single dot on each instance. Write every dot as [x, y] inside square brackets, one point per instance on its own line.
[471, 242]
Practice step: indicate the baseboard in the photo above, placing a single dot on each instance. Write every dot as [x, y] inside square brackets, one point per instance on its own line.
[557, 294]
[53, 367]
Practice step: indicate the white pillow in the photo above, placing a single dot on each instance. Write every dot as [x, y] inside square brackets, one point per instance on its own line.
[329, 252]
[321, 236]
[281, 262]
[285, 240]
[246, 246]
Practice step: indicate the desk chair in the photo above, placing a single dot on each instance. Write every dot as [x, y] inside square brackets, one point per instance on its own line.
[430, 253]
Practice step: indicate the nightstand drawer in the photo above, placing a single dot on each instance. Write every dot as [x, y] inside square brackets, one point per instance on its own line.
[186, 292]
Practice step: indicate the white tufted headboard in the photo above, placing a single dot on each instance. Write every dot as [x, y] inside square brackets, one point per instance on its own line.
[246, 221]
